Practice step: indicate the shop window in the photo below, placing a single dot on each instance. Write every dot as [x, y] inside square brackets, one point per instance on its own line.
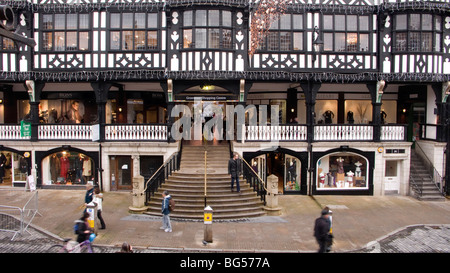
[54, 111]
[292, 173]
[67, 168]
[13, 169]
[340, 171]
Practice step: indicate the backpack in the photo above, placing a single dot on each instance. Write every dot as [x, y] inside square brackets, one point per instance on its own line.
[171, 204]
[76, 226]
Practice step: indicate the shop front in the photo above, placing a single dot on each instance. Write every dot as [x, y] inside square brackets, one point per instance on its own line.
[67, 166]
[343, 171]
[14, 167]
[290, 167]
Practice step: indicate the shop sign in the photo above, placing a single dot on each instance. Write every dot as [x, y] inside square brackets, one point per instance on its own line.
[25, 129]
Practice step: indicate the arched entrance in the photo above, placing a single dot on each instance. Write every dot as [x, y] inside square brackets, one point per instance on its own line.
[14, 167]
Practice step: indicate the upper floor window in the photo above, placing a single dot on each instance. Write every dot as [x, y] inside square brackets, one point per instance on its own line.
[207, 29]
[347, 33]
[285, 34]
[66, 32]
[133, 31]
[418, 32]
[7, 44]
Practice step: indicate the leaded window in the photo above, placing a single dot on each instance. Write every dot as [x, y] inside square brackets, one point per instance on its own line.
[285, 34]
[207, 29]
[418, 32]
[133, 31]
[347, 33]
[66, 32]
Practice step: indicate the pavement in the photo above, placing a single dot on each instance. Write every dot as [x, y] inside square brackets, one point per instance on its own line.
[361, 224]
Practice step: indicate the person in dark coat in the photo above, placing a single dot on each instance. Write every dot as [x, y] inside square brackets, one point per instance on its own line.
[84, 230]
[234, 169]
[322, 230]
[2, 166]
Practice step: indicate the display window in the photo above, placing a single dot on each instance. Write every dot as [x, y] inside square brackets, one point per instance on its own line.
[292, 173]
[67, 168]
[343, 170]
[13, 169]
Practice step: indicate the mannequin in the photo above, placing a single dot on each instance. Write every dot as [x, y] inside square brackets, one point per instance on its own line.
[328, 116]
[350, 118]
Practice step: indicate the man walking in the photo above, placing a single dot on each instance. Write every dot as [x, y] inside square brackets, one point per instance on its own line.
[234, 169]
[166, 211]
[322, 230]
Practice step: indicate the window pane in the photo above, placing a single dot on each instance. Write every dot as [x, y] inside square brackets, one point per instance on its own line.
[427, 41]
[187, 18]
[213, 18]
[400, 41]
[115, 20]
[200, 18]
[274, 24]
[437, 47]
[427, 22]
[127, 40]
[8, 44]
[328, 41]
[339, 22]
[127, 20]
[139, 20]
[84, 41]
[71, 41]
[47, 21]
[364, 23]
[227, 39]
[400, 22]
[414, 41]
[297, 21]
[226, 18]
[352, 42]
[214, 38]
[60, 42]
[115, 40]
[339, 39]
[47, 40]
[328, 22]
[438, 23]
[285, 21]
[152, 40]
[352, 22]
[285, 41]
[72, 21]
[139, 40]
[152, 20]
[272, 41]
[414, 22]
[364, 42]
[200, 38]
[187, 38]
[84, 21]
[298, 41]
[60, 21]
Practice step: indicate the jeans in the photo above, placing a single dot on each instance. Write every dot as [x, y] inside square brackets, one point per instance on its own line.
[166, 222]
[237, 183]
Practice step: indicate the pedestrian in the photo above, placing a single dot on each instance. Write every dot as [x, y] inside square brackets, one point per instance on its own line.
[126, 248]
[84, 230]
[234, 169]
[89, 194]
[322, 230]
[166, 212]
[98, 199]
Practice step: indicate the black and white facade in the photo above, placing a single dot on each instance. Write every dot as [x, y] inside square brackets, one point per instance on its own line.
[350, 114]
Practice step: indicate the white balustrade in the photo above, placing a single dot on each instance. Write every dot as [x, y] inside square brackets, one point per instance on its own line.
[392, 132]
[136, 132]
[343, 132]
[65, 132]
[11, 132]
[281, 133]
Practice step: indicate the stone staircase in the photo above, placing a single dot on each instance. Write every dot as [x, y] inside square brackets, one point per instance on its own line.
[422, 182]
[186, 186]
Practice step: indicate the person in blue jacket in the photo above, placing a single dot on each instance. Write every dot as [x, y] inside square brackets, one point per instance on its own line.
[166, 212]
